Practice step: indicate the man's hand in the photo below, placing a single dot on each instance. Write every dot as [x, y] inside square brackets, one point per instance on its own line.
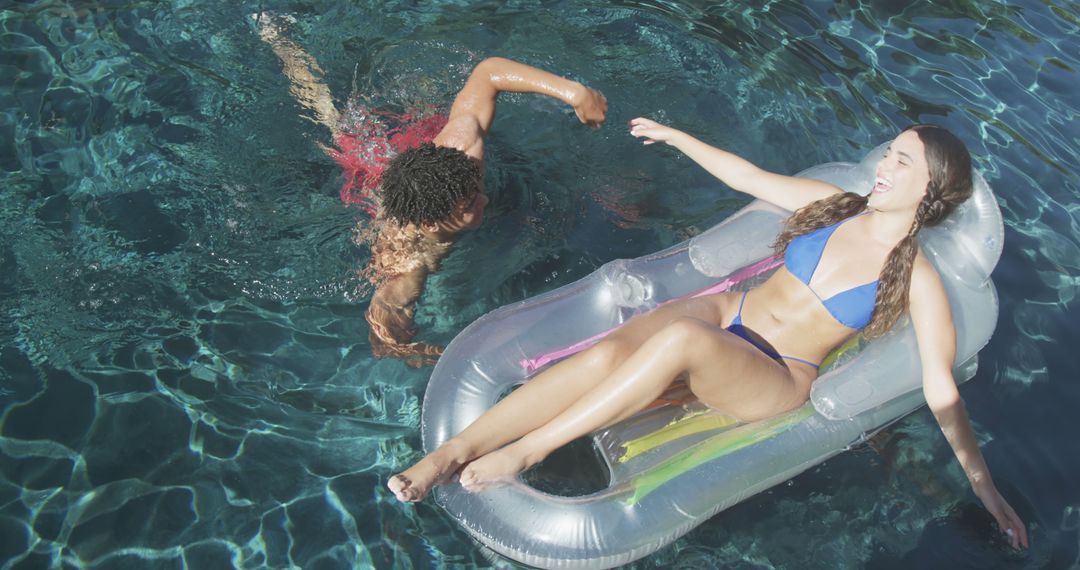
[590, 106]
[413, 354]
[390, 334]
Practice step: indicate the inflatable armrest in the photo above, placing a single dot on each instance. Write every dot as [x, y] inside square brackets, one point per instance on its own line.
[887, 368]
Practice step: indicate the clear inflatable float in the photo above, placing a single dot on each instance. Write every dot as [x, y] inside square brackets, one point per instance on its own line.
[673, 466]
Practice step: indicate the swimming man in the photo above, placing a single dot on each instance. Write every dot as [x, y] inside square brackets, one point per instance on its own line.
[432, 193]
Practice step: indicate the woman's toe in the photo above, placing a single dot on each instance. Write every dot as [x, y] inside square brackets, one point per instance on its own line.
[399, 486]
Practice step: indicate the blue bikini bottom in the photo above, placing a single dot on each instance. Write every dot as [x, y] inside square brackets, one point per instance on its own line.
[736, 328]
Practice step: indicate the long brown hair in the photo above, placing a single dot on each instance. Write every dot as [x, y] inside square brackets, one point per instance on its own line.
[950, 184]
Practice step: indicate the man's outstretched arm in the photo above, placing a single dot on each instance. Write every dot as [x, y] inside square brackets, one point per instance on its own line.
[474, 107]
[390, 320]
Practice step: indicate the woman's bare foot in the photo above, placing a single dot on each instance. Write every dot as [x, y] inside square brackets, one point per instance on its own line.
[416, 482]
[496, 467]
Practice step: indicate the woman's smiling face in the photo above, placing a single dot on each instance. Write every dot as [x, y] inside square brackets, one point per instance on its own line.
[902, 175]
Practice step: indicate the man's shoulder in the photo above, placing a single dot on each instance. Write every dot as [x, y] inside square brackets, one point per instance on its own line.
[462, 133]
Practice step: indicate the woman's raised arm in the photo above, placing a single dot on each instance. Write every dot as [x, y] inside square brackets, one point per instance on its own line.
[788, 192]
[932, 319]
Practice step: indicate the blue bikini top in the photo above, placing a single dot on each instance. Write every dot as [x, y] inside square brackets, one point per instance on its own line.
[851, 308]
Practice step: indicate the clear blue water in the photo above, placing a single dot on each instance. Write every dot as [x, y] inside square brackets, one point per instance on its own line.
[185, 379]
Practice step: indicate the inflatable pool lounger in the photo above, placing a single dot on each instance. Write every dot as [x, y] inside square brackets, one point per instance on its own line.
[673, 466]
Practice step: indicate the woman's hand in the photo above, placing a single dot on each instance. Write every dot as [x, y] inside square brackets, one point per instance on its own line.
[652, 131]
[590, 106]
[1006, 517]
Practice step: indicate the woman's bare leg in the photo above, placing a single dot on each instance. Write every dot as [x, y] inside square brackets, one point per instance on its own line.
[544, 397]
[725, 373]
[540, 400]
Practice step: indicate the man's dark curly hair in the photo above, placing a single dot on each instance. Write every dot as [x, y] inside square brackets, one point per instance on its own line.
[424, 184]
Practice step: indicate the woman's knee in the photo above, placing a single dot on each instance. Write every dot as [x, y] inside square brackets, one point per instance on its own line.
[674, 339]
[608, 353]
[683, 331]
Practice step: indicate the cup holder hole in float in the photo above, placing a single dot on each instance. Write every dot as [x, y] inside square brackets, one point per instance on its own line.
[632, 291]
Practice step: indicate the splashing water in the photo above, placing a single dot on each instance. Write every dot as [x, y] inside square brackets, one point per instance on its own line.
[369, 139]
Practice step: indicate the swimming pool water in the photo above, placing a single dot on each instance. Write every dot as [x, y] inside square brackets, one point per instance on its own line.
[185, 379]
